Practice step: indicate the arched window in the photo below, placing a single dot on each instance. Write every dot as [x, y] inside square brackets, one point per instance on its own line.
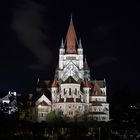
[64, 91]
[69, 91]
[76, 91]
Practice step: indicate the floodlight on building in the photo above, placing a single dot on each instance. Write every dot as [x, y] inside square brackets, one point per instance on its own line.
[39, 106]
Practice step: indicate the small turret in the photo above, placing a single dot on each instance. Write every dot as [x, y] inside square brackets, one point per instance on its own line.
[80, 48]
[86, 70]
[80, 44]
[104, 82]
[54, 88]
[54, 84]
[86, 67]
[61, 54]
[62, 49]
[86, 87]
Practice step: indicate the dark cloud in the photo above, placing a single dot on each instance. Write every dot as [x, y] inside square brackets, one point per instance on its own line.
[28, 24]
[105, 60]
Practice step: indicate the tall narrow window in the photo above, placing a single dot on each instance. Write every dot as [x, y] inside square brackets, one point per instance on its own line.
[69, 91]
[41, 114]
[76, 91]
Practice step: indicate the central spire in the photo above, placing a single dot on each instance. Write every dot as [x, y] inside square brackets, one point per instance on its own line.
[71, 38]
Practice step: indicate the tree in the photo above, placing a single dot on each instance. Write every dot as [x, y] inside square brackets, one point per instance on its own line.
[51, 117]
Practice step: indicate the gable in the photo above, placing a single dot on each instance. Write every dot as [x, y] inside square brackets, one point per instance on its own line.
[43, 99]
[70, 79]
[101, 83]
[43, 103]
[71, 63]
[70, 70]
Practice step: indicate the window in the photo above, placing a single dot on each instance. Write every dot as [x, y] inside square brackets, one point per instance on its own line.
[69, 91]
[96, 118]
[64, 91]
[76, 91]
[103, 118]
[70, 113]
[40, 114]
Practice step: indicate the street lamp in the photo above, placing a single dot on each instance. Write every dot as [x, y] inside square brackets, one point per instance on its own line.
[99, 133]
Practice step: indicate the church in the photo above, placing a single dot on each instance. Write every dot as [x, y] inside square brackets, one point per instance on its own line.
[72, 94]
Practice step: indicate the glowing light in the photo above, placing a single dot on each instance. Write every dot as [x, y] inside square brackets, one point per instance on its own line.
[39, 106]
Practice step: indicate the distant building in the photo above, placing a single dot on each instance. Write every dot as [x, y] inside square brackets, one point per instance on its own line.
[72, 95]
[8, 103]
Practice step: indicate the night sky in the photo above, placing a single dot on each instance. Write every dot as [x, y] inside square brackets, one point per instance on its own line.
[31, 33]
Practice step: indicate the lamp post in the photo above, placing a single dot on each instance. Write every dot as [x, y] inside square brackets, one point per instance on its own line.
[99, 133]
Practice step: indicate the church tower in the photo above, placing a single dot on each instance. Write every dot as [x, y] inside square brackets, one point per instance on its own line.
[70, 56]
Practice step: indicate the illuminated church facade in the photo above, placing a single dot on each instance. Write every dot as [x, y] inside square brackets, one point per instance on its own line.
[72, 94]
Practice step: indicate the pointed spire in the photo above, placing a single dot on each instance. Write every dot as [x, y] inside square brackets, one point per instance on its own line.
[86, 83]
[62, 44]
[86, 67]
[71, 38]
[55, 83]
[104, 80]
[80, 43]
[96, 90]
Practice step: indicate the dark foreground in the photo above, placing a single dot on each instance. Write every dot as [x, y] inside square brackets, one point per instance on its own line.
[12, 129]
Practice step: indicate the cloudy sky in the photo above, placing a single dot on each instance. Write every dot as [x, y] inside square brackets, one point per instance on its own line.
[31, 33]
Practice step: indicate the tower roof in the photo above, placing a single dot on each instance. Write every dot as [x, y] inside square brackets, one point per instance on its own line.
[96, 91]
[55, 84]
[86, 84]
[71, 39]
